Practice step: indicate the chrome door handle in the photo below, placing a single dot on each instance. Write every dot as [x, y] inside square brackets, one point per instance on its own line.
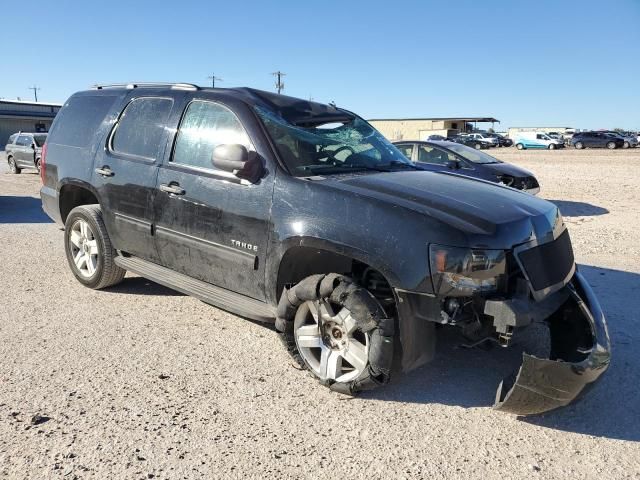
[104, 171]
[173, 188]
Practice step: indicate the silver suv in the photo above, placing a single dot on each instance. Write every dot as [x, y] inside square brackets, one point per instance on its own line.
[24, 150]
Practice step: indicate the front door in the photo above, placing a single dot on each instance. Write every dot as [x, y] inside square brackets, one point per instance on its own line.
[435, 159]
[125, 173]
[23, 153]
[209, 224]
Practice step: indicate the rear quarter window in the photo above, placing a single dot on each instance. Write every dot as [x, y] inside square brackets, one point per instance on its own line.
[79, 119]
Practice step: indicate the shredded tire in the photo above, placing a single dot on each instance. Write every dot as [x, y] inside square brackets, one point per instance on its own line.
[370, 317]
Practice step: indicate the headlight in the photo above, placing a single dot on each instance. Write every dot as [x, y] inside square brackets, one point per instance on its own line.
[463, 272]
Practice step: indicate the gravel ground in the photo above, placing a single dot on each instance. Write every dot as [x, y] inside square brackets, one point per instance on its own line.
[141, 382]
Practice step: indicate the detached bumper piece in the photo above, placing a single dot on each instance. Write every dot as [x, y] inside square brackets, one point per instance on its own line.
[580, 353]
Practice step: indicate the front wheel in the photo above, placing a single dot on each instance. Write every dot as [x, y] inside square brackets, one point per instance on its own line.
[611, 145]
[478, 146]
[89, 250]
[552, 146]
[520, 146]
[626, 145]
[338, 331]
[13, 167]
[579, 145]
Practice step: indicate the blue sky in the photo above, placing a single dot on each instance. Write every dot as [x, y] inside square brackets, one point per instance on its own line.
[557, 63]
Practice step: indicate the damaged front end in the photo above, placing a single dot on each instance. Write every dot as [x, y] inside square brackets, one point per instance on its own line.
[533, 296]
[579, 353]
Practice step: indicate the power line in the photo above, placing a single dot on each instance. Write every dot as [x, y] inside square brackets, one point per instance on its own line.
[35, 91]
[279, 82]
[213, 79]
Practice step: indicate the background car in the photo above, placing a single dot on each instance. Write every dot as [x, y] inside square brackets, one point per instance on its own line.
[23, 150]
[596, 140]
[629, 139]
[533, 139]
[437, 138]
[502, 140]
[460, 159]
[483, 137]
[470, 142]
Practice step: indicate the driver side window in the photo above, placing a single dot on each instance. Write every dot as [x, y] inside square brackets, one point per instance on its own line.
[428, 154]
[206, 125]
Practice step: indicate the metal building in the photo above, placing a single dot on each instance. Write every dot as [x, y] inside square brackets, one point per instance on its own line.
[19, 115]
[421, 128]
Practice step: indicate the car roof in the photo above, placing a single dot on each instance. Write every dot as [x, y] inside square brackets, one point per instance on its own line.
[294, 110]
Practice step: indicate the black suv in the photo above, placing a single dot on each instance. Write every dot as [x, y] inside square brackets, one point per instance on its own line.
[289, 211]
[24, 150]
[596, 140]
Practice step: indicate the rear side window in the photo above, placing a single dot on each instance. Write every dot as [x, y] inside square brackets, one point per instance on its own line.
[12, 139]
[140, 128]
[24, 141]
[206, 125]
[79, 119]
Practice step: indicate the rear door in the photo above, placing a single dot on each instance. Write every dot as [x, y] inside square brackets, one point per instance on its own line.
[22, 150]
[209, 224]
[125, 172]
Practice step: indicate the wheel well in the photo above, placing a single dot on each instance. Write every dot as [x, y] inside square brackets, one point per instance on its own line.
[300, 262]
[72, 196]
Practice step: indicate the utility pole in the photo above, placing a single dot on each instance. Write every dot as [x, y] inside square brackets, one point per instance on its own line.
[279, 83]
[213, 79]
[35, 91]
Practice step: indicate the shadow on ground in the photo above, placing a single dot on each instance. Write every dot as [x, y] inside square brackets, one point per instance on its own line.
[22, 210]
[142, 286]
[469, 378]
[579, 209]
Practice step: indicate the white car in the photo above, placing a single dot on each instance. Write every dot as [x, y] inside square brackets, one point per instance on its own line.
[483, 137]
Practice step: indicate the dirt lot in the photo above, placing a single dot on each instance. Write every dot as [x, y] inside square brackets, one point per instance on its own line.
[141, 382]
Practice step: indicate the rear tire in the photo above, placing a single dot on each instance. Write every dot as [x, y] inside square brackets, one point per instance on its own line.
[89, 250]
[611, 145]
[478, 146]
[13, 168]
[626, 145]
[338, 331]
[579, 145]
[520, 146]
[38, 164]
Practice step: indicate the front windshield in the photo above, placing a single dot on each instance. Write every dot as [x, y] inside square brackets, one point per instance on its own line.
[332, 147]
[40, 139]
[471, 154]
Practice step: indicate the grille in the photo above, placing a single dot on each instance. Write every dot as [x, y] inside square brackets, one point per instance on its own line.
[548, 264]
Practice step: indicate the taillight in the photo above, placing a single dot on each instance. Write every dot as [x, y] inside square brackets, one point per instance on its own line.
[43, 161]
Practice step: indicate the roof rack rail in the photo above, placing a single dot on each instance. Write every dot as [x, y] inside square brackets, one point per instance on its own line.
[132, 85]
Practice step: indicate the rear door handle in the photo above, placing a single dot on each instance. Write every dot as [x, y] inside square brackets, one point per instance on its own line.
[104, 171]
[173, 188]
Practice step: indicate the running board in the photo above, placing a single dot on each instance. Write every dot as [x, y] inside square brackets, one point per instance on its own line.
[219, 297]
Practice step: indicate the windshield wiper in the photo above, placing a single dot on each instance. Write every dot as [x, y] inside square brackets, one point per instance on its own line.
[400, 163]
[340, 168]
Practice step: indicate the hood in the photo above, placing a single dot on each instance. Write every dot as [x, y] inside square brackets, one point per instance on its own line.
[489, 215]
[507, 169]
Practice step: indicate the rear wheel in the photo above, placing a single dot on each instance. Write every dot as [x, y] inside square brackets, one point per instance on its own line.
[38, 164]
[520, 146]
[338, 331]
[611, 145]
[478, 146]
[626, 145]
[579, 145]
[89, 250]
[13, 167]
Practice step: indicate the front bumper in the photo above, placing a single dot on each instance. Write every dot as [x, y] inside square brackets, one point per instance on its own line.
[540, 384]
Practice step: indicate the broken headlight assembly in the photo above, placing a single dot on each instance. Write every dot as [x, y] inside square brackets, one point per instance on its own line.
[464, 272]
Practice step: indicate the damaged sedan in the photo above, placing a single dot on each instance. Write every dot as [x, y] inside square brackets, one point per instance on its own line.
[290, 211]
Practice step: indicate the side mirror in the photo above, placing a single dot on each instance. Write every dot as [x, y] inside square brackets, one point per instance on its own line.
[453, 164]
[33, 146]
[235, 158]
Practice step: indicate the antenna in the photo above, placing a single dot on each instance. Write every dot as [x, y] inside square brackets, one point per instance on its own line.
[35, 91]
[213, 79]
[279, 83]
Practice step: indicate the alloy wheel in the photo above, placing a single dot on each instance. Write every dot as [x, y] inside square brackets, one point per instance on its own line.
[330, 342]
[84, 248]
